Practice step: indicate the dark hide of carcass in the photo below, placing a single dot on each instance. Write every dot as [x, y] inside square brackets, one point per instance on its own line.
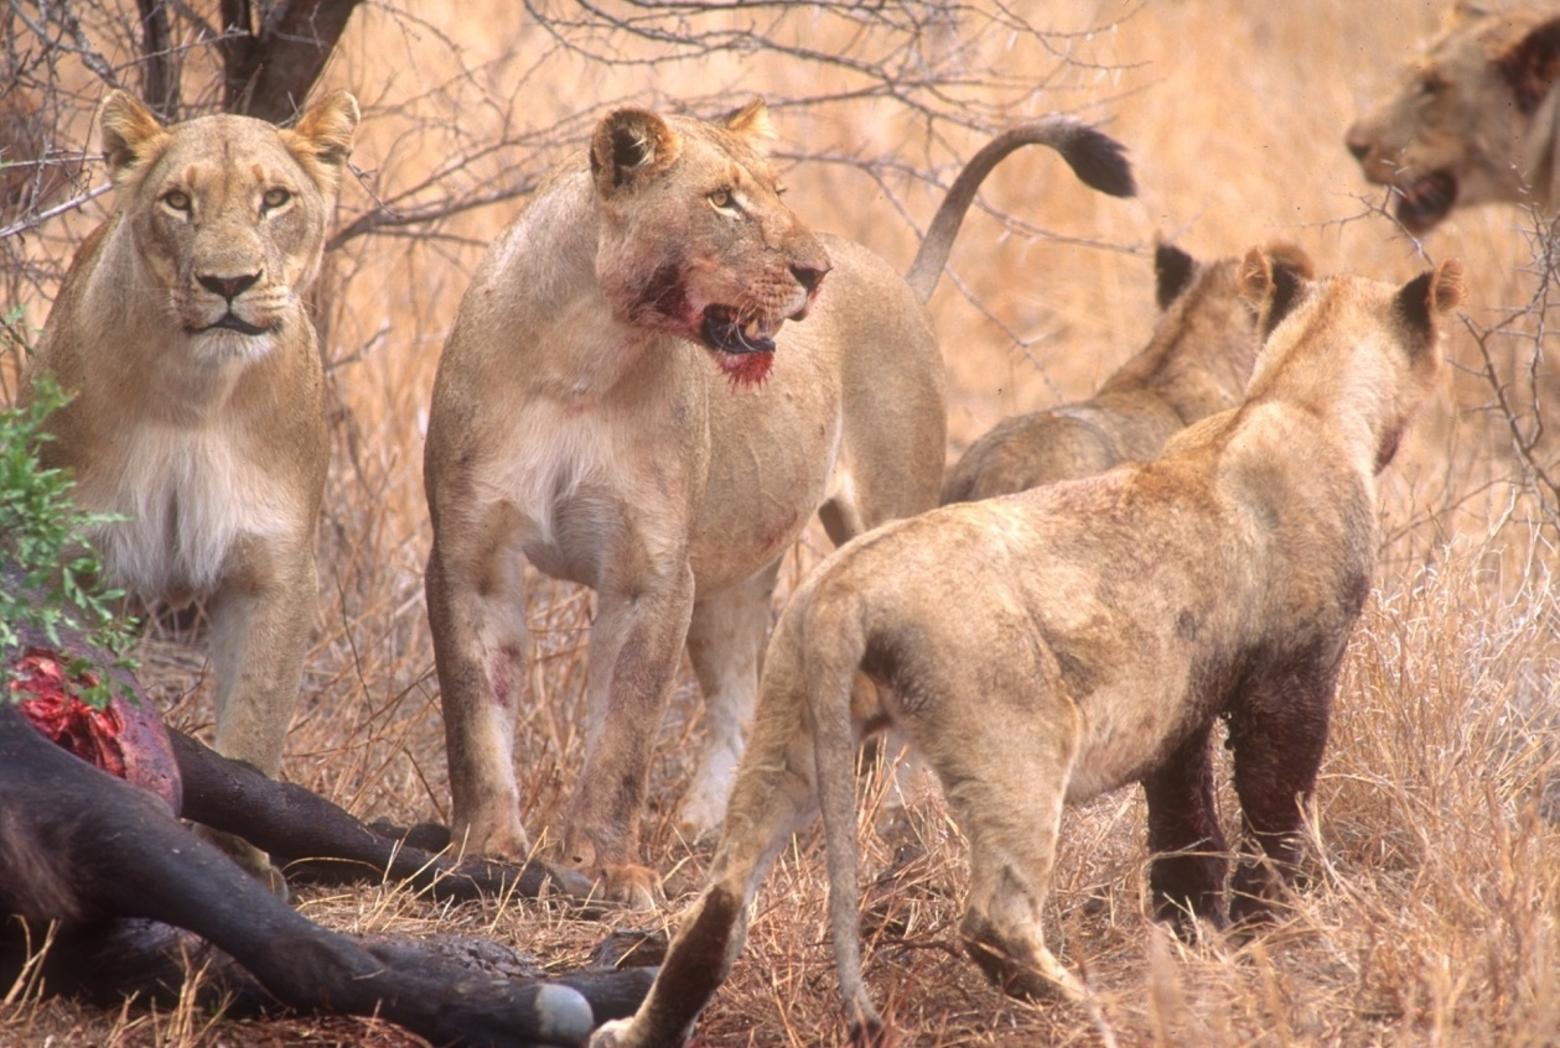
[137, 894]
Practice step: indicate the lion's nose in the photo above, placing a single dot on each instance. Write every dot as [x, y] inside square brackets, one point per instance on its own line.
[228, 287]
[809, 277]
[1357, 144]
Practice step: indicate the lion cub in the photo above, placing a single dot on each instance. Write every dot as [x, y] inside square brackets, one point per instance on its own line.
[1196, 363]
[1048, 646]
[198, 411]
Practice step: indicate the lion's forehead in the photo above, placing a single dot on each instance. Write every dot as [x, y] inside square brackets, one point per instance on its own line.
[718, 150]
[1469, 47]
[225, 152]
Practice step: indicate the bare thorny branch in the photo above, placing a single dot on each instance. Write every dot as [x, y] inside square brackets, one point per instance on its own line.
[927, 62]
[454, 135]
[1517, 378]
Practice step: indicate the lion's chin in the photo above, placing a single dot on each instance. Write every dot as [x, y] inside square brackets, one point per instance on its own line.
[745, 369]
[220, 345]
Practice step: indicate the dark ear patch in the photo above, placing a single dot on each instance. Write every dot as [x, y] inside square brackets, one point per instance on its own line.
[628, 146]
[1271, 283]
[1431, 294]
[1286, 292]
[1530, 67]
[1413, 303]
[629, 150]
[1173, 272]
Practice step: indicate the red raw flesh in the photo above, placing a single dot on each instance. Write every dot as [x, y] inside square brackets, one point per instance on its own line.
[127, 741]
[54, 709]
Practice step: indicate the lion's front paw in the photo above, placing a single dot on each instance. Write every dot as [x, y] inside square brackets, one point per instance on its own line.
[702, 812]
[616, 1034]
[493, 835]
[635, 887]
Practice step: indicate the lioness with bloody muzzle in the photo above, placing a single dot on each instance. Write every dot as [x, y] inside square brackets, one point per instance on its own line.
[657, 376]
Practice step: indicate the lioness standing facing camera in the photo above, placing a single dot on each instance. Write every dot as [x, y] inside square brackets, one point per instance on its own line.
[198, 410]
[1045, 647]
[574, 423]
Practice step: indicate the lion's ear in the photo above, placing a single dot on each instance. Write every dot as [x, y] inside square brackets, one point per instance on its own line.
[1531, 65]
[1292, 257]
[1271, 284]
[631, 146]
[1431, 295]
[132, 137]
[327, 127]
[752, 124]
[321, 140]
[1173, 273]
[1254, 279]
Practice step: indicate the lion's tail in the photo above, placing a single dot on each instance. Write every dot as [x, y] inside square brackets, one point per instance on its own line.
[835, 644]
[1096, 158]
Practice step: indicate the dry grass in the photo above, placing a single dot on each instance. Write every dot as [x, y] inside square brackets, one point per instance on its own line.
[1432, 917]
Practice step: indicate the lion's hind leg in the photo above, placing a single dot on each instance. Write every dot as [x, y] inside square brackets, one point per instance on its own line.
[1005, 773]
[1187, 873]
[1278, 732]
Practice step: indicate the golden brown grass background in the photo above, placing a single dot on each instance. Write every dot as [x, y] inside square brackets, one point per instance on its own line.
[1432, 916]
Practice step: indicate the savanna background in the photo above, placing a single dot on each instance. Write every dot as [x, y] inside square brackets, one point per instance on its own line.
[1435, 861]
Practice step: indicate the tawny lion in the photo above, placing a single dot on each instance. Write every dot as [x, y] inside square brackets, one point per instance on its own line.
[198, 411]
[1196, 363]
[1045, 647]
[1475, 119]
[574, 424]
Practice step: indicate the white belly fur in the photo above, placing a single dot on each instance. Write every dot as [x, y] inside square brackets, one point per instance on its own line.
[551, 455]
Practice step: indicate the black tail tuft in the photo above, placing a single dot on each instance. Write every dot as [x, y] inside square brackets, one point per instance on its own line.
[1099, 161]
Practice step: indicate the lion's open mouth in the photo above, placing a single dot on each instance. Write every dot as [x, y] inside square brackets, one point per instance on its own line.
[1427, 201]
[744, 351]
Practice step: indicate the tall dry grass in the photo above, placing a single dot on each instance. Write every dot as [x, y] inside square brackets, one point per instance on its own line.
[1435, 859]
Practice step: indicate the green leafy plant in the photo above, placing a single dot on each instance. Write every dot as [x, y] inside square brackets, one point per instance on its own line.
[48, 569]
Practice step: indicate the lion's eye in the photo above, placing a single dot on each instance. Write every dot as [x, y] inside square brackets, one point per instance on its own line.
[1432, 84]
[275, 198]
[723, 199]
[177, 199]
